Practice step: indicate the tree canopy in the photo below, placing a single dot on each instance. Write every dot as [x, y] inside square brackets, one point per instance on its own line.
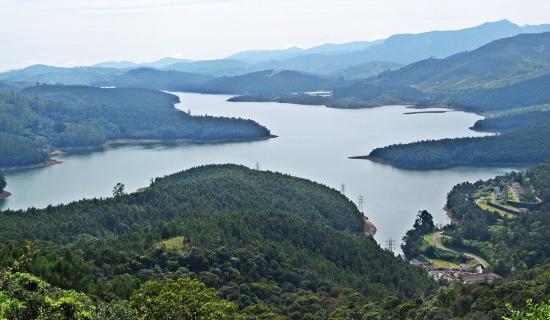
[39, 119]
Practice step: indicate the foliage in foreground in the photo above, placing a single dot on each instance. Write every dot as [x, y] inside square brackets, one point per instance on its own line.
[532, 312]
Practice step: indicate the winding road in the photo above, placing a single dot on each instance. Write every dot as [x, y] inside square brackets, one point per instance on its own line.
[436, 239]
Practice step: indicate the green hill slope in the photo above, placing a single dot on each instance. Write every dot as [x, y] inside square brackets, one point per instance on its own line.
[292, 245]
[504, 63]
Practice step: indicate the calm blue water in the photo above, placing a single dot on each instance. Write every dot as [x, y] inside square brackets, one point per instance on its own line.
[314, 142]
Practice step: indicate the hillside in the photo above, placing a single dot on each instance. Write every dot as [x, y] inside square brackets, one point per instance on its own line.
[497, 64]
[262, 240]
[215, 68]
[268, 81]
[166, 61]
[514, 245]
[408, 48]
[258, 56]
[54, 75]
[156, 79]
[243, 244]
[508, 74]
[41, 118]
[367, 70]
[505, 63]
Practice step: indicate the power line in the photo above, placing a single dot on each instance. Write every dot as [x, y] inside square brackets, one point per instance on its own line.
[360, 201]
[390, 245]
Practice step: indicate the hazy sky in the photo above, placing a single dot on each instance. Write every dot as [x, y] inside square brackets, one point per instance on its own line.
[80, 32]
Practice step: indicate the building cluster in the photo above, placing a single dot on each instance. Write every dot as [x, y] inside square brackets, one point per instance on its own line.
[479, 274]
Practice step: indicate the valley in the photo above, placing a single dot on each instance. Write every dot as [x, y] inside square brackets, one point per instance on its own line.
[405, 176]
[318, 152]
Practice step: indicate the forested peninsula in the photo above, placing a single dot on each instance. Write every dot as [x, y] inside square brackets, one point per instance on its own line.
[521, 139]
[36, 120]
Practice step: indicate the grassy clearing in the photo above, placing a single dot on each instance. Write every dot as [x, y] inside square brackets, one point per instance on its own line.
[482, 203]
[176, 243]
[442, 264]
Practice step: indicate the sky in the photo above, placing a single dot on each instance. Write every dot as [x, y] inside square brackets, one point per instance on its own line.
[84, 32]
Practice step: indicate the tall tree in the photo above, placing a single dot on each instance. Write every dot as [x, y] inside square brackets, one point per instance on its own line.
[118, 190]
[2, 181]
[424, 222]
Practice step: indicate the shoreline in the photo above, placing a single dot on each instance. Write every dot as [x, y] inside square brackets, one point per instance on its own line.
[513, 166]
[356, 104]
[115, 142]
[426, 112]
[43, 164]
[127, 142]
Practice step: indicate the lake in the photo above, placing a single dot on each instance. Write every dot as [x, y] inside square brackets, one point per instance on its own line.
[314, 142]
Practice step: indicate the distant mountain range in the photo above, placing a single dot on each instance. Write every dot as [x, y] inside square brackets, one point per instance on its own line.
[51, 75]
[257, 56]
[161, 63]
[328, 66]
[150, 78]
[408, 48]
[269, 81]
[492, 74]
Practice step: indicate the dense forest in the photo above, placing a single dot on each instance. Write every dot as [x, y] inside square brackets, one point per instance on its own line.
[227, 242]
[522, 140]
[266, 242]
[41, 118]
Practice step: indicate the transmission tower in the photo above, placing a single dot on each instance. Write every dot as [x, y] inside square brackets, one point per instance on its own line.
[390, 245]
[360, 201]
[257, 166]
[189, 111]
[343, 189]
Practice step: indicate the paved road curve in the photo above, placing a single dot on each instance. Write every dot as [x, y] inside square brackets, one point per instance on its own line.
[436, 241]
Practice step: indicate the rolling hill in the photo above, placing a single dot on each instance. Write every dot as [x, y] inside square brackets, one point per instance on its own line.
[258, 56]
[504, 63]
[407, 48]
[269, 81]
[262, 240]
[216, 68]
[156, 79]
[53, 75]
[133, 65]
[367, 70]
